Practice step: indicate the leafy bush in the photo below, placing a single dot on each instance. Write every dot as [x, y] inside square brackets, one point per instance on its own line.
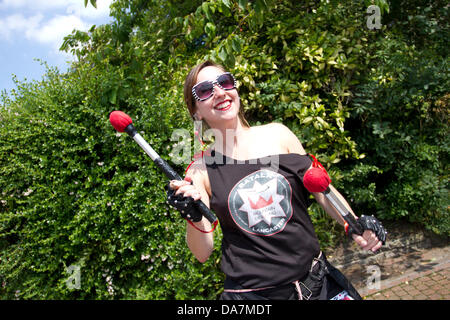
[76, 193]
[400, 119]
[402, 125]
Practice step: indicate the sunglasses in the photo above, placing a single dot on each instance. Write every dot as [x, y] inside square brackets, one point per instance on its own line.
[205, 89]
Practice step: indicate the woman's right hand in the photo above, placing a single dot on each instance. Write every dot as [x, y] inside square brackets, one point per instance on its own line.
[185, 188]
[201, 244]
[181, 194]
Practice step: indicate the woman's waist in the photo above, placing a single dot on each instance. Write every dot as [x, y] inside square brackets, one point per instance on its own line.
[255, 269]
[301, 285]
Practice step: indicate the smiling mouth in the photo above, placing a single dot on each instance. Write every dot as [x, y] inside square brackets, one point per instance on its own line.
[223, 106]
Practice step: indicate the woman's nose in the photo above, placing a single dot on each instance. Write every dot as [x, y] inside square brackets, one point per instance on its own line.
[218, 91]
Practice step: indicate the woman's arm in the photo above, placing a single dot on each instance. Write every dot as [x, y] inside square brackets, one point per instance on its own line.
[368, 240]
[329, 208]
[201, 244]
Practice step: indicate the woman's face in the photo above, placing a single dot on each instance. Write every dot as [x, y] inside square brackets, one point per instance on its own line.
[222, 107]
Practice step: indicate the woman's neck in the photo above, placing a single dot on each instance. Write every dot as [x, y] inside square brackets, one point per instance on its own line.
[227, 138]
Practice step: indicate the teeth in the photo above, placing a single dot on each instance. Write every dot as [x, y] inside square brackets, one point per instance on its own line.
[223, 105]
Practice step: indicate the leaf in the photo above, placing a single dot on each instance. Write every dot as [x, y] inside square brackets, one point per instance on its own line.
[210, 29]
[259, 7]
[227, 3]
[236, 44]
[113, 96]
[223, 54]
[242, 4]
[206, 10]
[307, 120]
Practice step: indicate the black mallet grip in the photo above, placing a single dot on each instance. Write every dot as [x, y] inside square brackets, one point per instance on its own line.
[348, 217]
[172, 175]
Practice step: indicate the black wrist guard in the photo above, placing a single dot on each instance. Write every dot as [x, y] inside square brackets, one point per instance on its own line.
[370, 223]
[185, 205]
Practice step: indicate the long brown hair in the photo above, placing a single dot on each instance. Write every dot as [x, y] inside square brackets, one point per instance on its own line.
[191, 80]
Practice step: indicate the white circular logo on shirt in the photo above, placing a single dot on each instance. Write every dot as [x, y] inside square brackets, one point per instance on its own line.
[260, 203]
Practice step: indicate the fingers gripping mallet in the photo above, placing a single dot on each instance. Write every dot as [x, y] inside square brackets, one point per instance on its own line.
[123, 123]
[317, 180]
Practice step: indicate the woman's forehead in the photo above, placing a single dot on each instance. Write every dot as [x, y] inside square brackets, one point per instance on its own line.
[209, 73]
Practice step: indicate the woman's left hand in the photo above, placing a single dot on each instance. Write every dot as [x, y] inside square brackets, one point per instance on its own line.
[368, 240]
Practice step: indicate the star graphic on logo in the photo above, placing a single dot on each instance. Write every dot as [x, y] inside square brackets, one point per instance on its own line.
[261, 202]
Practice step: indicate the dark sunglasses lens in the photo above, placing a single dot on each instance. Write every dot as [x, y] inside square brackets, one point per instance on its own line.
[226, 81]
[204, 90]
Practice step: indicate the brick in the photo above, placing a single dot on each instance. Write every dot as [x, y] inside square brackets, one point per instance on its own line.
[421, 287]
[437, 277]
[446, 272]
[427, 279]
[428, 292]
[403, 294]
[377, 296]
[436, 296]
[387, 294]
[414, 292]
[437, 288]
[397, 289]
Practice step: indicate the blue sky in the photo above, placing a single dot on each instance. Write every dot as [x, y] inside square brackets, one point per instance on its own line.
[32, 29]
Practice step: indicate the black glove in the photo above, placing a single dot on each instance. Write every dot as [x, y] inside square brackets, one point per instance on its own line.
[185, 205]
[370, 223]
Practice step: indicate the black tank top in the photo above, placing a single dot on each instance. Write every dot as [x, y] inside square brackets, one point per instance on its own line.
[268, 236]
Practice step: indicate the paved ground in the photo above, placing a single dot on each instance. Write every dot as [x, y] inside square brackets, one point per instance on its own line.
[432, 284]
[413, 265]
[428, 278]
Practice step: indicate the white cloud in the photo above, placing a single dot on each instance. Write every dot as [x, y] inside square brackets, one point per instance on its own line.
[17, 23]
[54, 30]
[35, 28]
[73, 6]
[5, 4]
[32, 29]
[48, 21]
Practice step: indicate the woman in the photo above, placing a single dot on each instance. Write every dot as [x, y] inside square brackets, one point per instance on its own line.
[252, 179]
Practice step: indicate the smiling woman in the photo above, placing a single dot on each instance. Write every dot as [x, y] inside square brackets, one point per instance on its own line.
[263, 210]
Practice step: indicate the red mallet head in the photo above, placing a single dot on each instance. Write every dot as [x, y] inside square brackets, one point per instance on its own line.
[120, 120]
[316, 180]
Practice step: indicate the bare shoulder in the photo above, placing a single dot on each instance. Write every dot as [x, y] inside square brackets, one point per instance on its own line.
[198, 173]
[279, 127]
[197, 168]
[285, 136]
[271, 129]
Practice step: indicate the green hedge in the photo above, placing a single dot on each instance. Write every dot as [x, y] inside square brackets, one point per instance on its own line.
[371, 104]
